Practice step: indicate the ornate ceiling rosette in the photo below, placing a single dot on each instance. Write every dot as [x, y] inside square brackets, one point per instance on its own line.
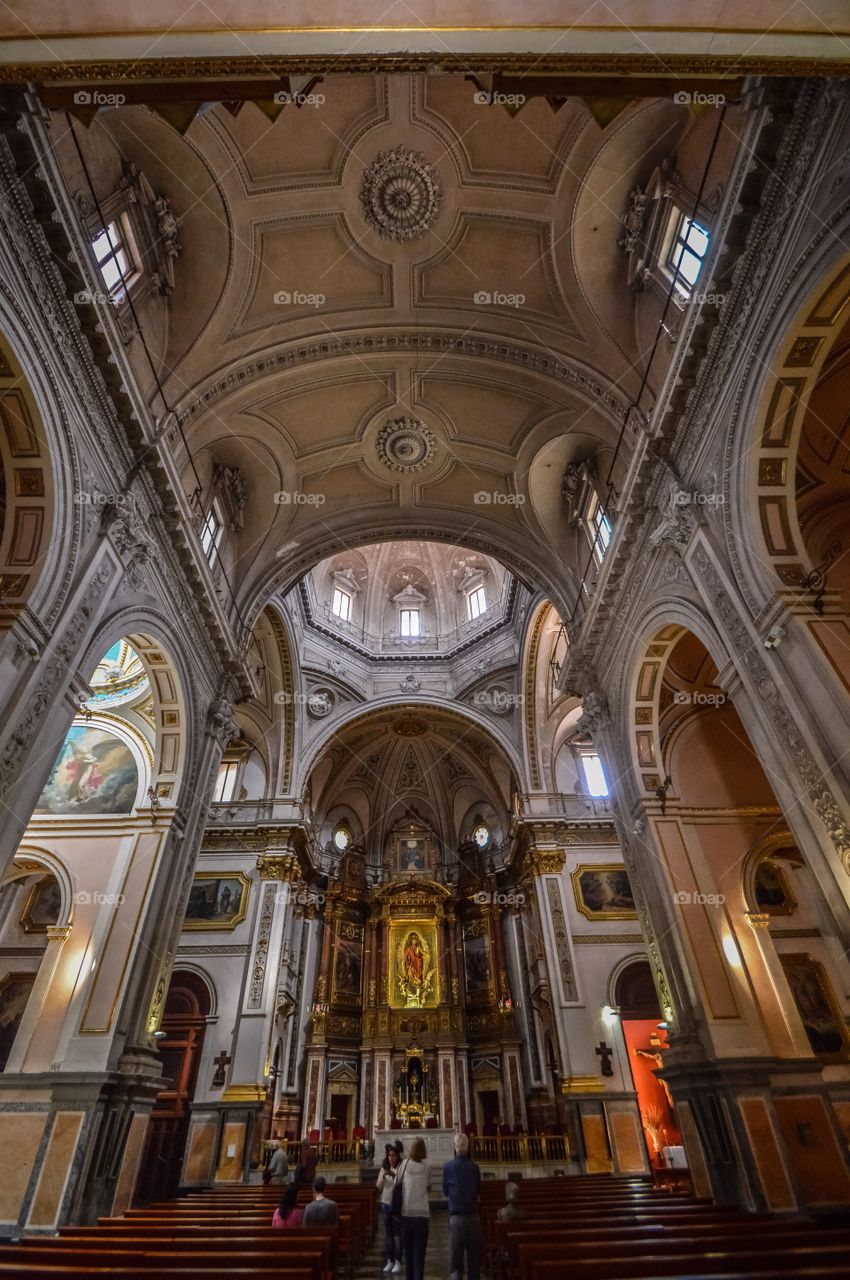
[400, 194]
[405, 444]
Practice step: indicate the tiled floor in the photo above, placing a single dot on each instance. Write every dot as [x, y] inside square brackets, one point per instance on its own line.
[436, 1259]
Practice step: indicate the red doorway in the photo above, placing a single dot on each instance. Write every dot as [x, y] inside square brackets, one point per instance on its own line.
[183, 1023]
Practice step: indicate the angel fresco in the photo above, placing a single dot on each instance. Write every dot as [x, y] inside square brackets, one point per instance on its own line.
[95, 773]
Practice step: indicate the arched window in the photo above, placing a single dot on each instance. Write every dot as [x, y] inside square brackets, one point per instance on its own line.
[342, 838]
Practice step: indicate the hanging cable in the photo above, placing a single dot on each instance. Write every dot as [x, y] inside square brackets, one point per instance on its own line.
[635, 403]
[196, 497]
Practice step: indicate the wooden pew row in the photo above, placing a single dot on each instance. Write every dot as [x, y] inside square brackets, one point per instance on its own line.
[69, 1271]
[832, 1260]
[350, 1241]
[714, 1223]
[308, 1266]
[756, 1246]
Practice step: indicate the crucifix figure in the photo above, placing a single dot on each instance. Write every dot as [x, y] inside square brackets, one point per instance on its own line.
[606, 1055]
[220, 1063]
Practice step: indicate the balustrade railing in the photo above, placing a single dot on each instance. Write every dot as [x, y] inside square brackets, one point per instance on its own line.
[531, 1148]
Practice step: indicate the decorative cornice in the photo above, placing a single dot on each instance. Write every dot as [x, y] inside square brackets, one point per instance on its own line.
[409, 342]
[618, 939]
[244, 1093]
[734, 65]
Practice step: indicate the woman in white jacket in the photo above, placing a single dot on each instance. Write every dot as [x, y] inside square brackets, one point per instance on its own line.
[415, 1210]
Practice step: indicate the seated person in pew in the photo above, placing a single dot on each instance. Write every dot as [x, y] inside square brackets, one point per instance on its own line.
[511, 1210]
[322, 1212]
[287, 1214]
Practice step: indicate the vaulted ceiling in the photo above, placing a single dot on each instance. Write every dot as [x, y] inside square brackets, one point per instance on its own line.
[385, 765]
[400, 308]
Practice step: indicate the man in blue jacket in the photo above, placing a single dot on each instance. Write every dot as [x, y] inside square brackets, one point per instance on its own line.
[461, 1180]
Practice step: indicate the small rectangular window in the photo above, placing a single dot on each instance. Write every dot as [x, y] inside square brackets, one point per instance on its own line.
[211, 530]
[112, 256]
[476, 603]
[225, 783]
[600, 527]
[410, 622]
[341, 605]
[594, 775]
[687, 253]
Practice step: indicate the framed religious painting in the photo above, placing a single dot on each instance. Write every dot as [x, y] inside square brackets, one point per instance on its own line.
[772, 890]
[414, 967]
[43, 905]
[15, 991]
[817, 1006]
[217, 900]
[604, 892]
[478, 961]
[348, 962]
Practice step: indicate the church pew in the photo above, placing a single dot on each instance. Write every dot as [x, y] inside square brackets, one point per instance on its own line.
[789, 1260]
[753, 1245]
[349, 1244]
[291, 1266]
[713, 1222]
[71, 1271]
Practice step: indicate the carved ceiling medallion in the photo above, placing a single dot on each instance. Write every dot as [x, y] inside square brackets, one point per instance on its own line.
[410, 727]
[405, 444]
[400, 194]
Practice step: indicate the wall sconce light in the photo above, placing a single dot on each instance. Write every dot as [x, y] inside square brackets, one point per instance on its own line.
[609, 1015]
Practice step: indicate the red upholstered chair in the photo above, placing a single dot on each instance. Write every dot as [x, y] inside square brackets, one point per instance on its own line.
[395, 1124]
[358, 1132]
[314, 1135]
[414, 1124]
[431, 1122]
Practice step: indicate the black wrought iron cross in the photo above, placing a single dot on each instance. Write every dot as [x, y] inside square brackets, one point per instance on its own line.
[220, 1063]
[606, 1055]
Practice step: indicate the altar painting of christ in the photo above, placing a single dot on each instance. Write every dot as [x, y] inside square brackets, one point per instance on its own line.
[415, 978]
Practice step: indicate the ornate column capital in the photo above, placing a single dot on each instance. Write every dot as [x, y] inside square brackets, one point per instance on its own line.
[279, 866]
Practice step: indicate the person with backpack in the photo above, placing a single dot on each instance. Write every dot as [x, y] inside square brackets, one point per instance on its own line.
[410, 1203]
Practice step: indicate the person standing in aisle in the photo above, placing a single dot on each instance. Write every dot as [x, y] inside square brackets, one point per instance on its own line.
[415, 1209]
[461, 1181]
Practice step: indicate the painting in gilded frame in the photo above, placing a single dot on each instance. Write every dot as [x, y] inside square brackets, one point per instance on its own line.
[604, 892]
[772, 891]
[348, 962]
[217, 900]
[43, 905]
[414, 965]
[817, 1006]
[477, 961]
